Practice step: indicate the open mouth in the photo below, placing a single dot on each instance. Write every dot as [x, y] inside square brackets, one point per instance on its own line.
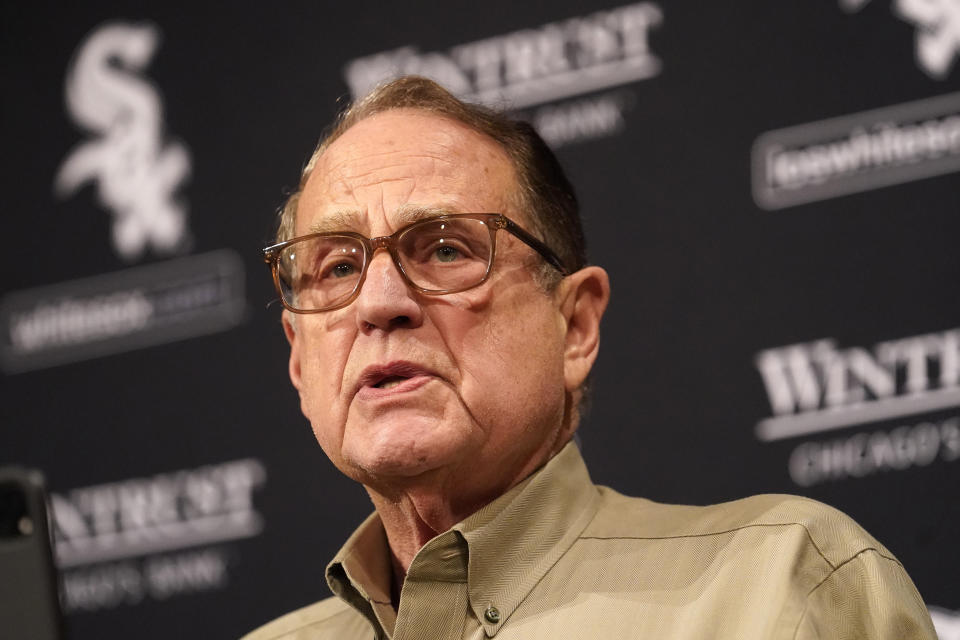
[378, 379]
[390, 382]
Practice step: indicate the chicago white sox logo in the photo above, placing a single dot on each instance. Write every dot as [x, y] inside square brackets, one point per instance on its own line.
[938, 30]
[136, 171]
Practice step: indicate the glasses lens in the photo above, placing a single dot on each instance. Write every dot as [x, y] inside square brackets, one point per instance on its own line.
[441, 255]
[320, 272]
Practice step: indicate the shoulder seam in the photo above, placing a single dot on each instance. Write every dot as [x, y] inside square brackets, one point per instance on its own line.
[716, 533]
[806, 604]
[849, 560]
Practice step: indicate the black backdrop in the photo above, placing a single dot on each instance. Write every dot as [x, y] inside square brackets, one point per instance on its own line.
[772, 186]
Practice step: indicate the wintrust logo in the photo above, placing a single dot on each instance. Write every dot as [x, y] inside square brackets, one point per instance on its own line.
[136, 170]
[938, 31]
[553, 62]
[815, 386]
[154, 537]
[169, 511]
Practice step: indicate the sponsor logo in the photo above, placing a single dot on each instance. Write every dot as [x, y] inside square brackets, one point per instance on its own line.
[859, 152]
[581, 119]
[816, 387]
[120, 311]
[137, 172]
[870, 452]
[121, 542]
[938, 31]
[129, 582]
[551, 63]
[946, 622]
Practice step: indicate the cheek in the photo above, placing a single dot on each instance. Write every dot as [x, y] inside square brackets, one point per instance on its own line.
[511, 359]
[324, 353]
[517, 394]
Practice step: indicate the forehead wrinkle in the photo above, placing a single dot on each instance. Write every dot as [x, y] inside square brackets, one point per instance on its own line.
[350, 167]
[403, 169]
[357, 165]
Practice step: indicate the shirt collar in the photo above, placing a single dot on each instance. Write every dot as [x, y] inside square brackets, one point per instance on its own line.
[361, 571]
[511, 544]
[518, 537]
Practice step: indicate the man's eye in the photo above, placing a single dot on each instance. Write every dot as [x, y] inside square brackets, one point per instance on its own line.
[446, 253]
[342, 270]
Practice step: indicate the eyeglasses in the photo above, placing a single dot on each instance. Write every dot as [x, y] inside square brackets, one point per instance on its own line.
[435, 256]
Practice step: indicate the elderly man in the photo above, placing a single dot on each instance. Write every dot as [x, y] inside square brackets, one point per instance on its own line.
[442, 324]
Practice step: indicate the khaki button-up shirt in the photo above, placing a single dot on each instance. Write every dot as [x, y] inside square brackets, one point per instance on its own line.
[558, 557]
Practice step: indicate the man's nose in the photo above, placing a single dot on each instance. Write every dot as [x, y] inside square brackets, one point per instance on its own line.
[385, 301]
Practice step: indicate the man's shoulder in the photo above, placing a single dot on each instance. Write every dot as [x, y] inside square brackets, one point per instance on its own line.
[814, 571]
[330, 618]
[835, 535]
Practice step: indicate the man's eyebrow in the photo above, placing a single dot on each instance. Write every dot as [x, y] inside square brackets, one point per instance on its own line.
[344, 220]
[409, 214]
[352, 220]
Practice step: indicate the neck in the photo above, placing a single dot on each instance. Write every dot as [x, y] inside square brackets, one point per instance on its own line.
[421, 509]
[410, 521]
[412, 518]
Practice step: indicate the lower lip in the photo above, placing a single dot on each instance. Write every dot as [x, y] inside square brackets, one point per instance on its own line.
[407, 386]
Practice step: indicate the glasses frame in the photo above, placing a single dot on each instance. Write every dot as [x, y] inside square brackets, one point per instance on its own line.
[494, 222]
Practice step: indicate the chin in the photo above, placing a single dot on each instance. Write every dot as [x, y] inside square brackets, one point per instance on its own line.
[407, 453]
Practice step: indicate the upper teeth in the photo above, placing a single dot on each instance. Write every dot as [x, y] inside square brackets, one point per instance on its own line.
[389, 384]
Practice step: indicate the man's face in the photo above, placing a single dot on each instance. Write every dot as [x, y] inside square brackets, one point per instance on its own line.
[464, 392]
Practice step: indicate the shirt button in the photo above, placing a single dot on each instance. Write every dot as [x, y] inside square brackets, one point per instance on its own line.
[492, 614]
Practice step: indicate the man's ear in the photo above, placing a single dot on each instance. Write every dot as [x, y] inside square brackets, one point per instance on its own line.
[584, 298]
[290, 330]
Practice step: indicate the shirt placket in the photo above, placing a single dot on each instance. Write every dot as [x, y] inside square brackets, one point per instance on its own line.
[434, 601]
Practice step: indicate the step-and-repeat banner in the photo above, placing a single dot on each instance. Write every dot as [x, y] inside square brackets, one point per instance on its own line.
[774, 188]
